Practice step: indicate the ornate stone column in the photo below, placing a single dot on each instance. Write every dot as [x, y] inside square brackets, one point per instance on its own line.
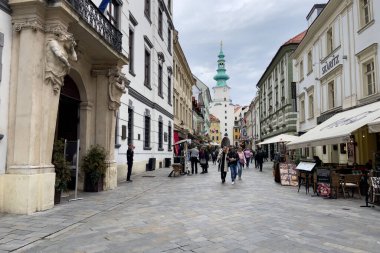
[111, 84]
[41, 57]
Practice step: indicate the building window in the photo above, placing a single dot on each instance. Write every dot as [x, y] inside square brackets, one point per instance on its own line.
[169, 137]
[309, 62]
[160, 22]
[225, 130]
[213, 138]
[147, 131]
[225, 105]
[301, 71]
[329, 42]
[311, 106]
[169, 89]
[216, 131]
[131, 51]
[147, 69]
[169, 40]
[365, 12]
[160, 135]
[369, 77]
[324, 150]
[130, 125]
[160, 80]
[331, 92]
[302, 110]
[225, 99]
[225, 124]
[217, 138]
[225, 112]
[112, 13]
[147, 9]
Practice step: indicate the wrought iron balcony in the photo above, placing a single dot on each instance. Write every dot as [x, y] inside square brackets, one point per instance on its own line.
[90, 13]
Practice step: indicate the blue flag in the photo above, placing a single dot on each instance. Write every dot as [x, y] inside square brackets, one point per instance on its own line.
[103, 5]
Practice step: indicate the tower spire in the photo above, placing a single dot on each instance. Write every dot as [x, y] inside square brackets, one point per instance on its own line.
[221, 77]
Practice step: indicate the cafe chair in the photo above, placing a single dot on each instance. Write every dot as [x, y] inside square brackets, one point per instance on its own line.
[336, 185]
[351, 182]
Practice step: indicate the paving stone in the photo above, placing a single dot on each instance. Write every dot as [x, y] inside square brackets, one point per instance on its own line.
[197, 214]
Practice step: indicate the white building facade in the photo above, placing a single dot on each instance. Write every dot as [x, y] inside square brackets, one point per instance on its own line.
[203, 96]
[146, 114]
[5, 59]
[337, 67]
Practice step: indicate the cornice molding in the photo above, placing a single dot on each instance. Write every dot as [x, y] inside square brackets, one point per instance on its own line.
[136, 95]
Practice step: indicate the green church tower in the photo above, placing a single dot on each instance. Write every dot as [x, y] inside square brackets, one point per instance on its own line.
[221, 77]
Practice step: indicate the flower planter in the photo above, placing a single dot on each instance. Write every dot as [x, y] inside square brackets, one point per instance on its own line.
[57, 196]
[93, 187]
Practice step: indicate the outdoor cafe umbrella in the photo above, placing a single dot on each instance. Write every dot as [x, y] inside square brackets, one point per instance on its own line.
[284, 138]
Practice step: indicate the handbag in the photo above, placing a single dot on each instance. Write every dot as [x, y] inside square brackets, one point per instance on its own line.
[202, 161]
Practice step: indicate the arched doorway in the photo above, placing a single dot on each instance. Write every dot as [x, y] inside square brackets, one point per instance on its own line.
[225, 142]
[68, 119]
[68, 111]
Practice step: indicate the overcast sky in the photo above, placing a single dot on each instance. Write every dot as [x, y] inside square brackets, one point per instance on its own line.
[251, 30]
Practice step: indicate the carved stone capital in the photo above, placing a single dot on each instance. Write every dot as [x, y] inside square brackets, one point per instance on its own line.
[32, 23]
[117, 85]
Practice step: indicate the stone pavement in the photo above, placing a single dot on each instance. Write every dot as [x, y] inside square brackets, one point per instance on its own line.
[197, 213]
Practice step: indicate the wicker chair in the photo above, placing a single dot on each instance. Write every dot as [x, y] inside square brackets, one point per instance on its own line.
[351, 182]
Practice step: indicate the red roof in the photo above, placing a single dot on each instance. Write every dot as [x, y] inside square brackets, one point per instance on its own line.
[213, 118]
[296, 39]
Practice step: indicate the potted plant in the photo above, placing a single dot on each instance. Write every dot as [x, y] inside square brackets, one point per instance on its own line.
[62, 170]
[94, 166]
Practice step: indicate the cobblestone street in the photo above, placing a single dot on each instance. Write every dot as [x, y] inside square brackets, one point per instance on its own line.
[197, 213]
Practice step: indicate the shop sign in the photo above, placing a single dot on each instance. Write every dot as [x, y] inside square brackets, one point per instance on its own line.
[330, 64]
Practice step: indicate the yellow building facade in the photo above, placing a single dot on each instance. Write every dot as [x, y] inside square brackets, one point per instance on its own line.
[214, 133]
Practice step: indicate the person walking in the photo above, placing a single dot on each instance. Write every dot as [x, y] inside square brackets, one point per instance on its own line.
[232, 158]
[223, 163]
[241, 162]
[247, 155]
[260, 159]
[130, 154]
[194, 155]
[203, 159]
[214, 156]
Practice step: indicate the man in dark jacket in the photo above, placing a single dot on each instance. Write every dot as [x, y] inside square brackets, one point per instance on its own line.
[260, 158]
[130, 154]
[232, 158]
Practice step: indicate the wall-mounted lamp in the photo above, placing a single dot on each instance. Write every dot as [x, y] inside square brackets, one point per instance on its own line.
[1, 136]
[304, 88]
[316, 79]
[344, 57]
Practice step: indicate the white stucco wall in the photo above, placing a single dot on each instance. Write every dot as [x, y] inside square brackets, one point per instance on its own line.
[223, 108]
[6, 30]
[150, 30]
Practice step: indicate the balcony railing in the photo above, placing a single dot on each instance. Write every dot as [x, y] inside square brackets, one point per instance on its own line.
[90, 13]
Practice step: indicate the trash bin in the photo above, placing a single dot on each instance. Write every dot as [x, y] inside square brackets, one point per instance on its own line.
[151, 164]
[168, 162]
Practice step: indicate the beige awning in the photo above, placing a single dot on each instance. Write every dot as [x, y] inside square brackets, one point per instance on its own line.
[339, 127]
[374, 127]
[279, 138]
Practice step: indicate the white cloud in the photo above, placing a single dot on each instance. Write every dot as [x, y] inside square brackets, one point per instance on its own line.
[252, 32]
